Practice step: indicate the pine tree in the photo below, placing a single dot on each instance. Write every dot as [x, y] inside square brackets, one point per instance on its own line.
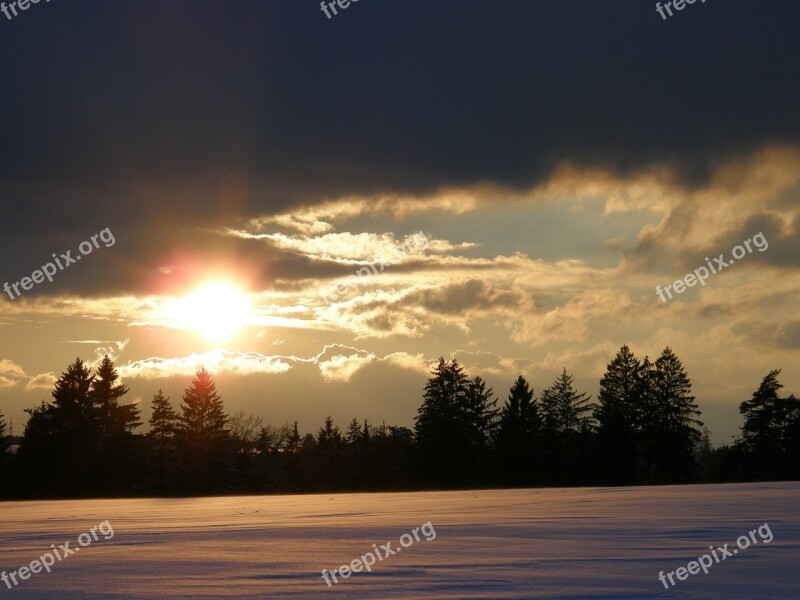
[566, 419]
[73, 409]
[114, 417]
[353, 434]
[293, 443]
[330, 448]
[202, 431]
[163, 425]
[677, 429]
[617, 414]
[563, 408]
[3, 427]
[73, 423]
[518, 434]
[453, 424]
[4, 441]
[480, 414]
[770, 430]
[117, 452]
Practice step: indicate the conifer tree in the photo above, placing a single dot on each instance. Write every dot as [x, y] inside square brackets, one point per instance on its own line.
[566, 419]
[770, 431]
[518, 434]
[677, 429]
[163, 426]
[202, 432]
[453, 424]
[114, 417]
[4, 441]
[563, 408]
[118, 457]
[617, 414]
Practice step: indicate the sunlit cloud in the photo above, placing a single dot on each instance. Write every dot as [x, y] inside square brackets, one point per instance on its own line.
[43, 381]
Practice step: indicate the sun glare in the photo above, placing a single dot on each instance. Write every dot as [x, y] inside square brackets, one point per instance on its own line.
[217, 311]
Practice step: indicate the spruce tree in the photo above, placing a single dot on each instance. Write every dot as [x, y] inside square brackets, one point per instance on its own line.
[353, 434]
[566, 419]
[770, 431]
[617, 414]
[563, 408]
[163, 426]
[4, 440]
[678, 431]
[202, 433]
[114, 417]
[74, 431]
[444, 425]
[518, 434]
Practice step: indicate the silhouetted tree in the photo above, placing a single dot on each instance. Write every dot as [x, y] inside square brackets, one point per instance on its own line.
[163, 426]
[273, 458]
[330, 447]
[74, 428]
[567, 427]
[769, 432]
[4, 443]
[357, 440]
[676, 429]
[518, 435]
[119, 457]
[202, 433]
[617, 414]
[481, 416]
[563, 408]
[453, 425]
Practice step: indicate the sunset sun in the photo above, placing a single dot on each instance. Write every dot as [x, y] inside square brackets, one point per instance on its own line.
[217, 311]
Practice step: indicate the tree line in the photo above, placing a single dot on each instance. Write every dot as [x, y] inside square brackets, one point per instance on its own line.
[642, 428]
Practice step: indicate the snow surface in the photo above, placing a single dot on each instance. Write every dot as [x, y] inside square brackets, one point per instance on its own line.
[542, 543]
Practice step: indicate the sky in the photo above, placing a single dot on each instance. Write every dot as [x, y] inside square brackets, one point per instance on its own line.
[512, 180]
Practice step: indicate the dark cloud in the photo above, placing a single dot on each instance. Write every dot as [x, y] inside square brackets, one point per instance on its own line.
[155, 118]
[785, 335]
[473, 294]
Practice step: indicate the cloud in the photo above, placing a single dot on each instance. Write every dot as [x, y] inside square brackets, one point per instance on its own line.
[11, 373]
[341, 367]
[215, 361]
[742, 198]
[43, 381]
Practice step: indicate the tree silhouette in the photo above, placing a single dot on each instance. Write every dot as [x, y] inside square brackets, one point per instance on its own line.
[677, 431]
[617, 414]
[770, 431]
[4, 442]
[442, 425]
[163, 427]
[118, 454]
[567, 423]
[202, 434]
[644, 429]
[330, 449]
[518, 434]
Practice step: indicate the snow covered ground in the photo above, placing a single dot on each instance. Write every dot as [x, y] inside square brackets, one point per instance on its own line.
[548, 543]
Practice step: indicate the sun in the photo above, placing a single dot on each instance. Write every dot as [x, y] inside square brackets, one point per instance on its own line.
[217, 311]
